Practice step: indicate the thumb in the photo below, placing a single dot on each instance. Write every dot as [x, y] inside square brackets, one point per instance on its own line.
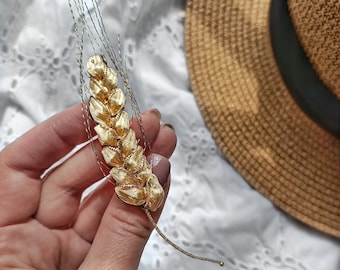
[125, 229]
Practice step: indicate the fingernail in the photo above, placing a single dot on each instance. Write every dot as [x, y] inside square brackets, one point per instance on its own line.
[160, 167]
[169, 126]
[156, 112]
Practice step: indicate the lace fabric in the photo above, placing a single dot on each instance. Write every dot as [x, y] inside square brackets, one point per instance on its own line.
[37, 63]
[210, 209]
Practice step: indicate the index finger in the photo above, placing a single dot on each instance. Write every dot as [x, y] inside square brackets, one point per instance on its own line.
[39, 148]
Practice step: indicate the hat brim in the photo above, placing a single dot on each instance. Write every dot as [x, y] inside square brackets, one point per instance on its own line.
[253, 118]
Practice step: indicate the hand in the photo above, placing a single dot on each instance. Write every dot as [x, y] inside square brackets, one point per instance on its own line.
[43, 222]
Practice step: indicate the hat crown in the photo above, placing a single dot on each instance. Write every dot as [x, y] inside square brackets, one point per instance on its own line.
[317, 25]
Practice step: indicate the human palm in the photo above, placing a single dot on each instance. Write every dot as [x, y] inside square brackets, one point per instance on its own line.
[44, 224]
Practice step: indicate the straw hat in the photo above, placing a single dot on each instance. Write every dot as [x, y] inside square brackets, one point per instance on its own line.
[266, 77]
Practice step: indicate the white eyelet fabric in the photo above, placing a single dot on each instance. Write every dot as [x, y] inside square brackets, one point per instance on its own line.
[210, 211]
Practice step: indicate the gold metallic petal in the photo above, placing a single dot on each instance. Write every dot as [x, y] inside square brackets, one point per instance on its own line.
[99, 112]
[106, 135]
[122, 176]
[135, 161]
[98, 90]
[131, 194]
[129, 143]
[155, 193]
[96, 67]
[121, 124]
[116, 101]
[110, 78]
[112, 156]
[143, 177]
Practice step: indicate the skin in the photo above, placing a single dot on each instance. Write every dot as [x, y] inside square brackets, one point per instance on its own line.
[43, 222]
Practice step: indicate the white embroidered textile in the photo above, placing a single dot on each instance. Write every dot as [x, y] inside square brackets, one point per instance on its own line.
[210, 210]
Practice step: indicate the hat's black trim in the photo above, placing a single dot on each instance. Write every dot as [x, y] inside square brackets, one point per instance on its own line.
[307, 89]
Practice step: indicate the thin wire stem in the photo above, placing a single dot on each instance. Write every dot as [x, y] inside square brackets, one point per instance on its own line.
[147, 212]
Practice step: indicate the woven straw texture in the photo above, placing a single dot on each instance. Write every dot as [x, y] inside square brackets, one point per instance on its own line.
[318, 27]
[251, 115]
